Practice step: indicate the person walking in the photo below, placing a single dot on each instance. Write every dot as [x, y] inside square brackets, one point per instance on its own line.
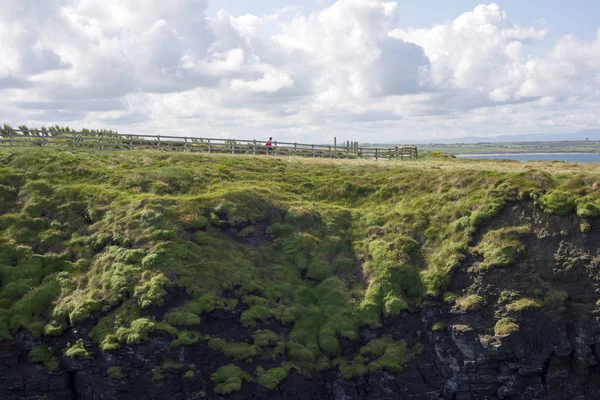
[269, 146]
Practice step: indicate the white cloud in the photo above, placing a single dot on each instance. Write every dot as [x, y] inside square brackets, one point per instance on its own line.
[347, 69]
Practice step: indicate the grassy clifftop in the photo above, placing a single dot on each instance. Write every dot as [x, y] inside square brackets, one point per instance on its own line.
[321, 247]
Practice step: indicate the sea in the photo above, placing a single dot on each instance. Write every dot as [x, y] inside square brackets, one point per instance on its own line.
[568, 157]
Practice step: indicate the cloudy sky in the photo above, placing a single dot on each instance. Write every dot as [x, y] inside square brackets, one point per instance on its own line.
[302, 70]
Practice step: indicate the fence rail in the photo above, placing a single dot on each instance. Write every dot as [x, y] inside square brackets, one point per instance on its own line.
[102, 141]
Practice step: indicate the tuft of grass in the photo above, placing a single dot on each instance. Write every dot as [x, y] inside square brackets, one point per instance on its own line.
[558, 202]
[469, 303]
[505, 327]
[438, 327]
[43, 354]
[271, 378]
[523, 305]
[499, 248]
[78, 350]
[229, 378]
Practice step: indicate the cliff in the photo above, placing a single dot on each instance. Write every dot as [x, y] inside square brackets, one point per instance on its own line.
[153, 275]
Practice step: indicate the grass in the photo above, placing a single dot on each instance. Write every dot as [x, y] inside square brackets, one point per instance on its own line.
[42, 354]
[505, 327]
[469, 303]
[323, 247]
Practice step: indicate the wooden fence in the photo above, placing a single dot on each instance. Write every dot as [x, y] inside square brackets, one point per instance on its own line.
[103, 141]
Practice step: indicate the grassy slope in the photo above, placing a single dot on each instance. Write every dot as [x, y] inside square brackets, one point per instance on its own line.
[324, 246]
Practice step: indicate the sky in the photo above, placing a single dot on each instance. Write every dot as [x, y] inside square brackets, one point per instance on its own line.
[302, 70]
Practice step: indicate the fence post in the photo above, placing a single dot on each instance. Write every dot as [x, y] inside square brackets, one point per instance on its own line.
[130, 142]
[295, 149]
[254, 147]
[335, 144]
[43, 141]
[74, 141]
[232, 147]
[102, 138]
[416, 153]
[376, 154]
[348, 149]
[185, 144]
[158, 143]
[208, 140]
[10, 137]
[313, 150]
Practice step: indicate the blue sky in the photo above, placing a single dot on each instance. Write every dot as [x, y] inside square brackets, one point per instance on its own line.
[366, 70]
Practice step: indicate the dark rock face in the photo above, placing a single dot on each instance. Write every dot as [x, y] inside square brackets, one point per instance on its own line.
[554, 355]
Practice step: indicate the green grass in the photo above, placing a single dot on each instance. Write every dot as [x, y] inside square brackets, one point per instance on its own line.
[523, 305]
[229, 378]
[505, 327]
[323, 247]
[469, 303]
[42, 354]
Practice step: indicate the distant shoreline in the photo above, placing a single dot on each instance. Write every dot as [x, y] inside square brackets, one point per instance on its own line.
[519, 154]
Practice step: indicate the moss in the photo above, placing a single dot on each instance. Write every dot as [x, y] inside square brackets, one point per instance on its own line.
[500, 247]
[587, 209]
[523, 305]
[188, 375]
[438, 327]
[228, 379]
[115, 373]
[43, 354]
[78, 350]
[449, 297]
[237, 351]
[157, 374]
[469, 303]
[505, 327]
[558, 202]
[137, 332]
[182, 318]
[186, 338]
[585, 228]
[265, 338]
[270, 379]
[461, 328]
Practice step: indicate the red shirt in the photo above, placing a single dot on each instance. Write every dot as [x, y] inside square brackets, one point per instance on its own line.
[268, 143]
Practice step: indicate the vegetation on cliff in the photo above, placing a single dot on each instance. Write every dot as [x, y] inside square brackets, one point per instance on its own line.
[320, 247]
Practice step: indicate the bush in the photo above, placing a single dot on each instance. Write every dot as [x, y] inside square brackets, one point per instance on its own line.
[78, 350]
